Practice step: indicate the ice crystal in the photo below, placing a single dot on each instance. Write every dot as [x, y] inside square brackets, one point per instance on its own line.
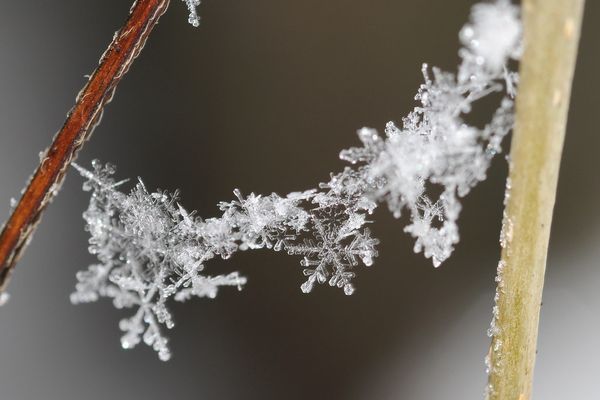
[4, 297]
[493, 34]
[193, 17]
[150, 248]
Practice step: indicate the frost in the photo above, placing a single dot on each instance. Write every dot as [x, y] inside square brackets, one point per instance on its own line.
[494, 33]
[494, 361]
[149, 248]
[193, 17]
[4, 297]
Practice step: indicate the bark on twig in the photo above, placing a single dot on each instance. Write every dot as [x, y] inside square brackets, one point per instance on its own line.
[47, 179]
[551, 36]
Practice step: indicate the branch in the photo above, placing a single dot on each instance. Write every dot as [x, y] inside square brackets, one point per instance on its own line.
[551, 36]
[81, 120]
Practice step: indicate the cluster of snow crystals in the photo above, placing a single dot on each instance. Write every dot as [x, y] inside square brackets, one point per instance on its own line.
[493, 34]
[149, 248]
[192, 6]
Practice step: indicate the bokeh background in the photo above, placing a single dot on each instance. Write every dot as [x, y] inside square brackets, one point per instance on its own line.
[262, 97]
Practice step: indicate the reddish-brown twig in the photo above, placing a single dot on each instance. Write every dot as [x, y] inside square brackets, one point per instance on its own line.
[114, 63]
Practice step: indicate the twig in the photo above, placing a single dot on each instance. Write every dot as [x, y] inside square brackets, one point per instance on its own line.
[47, 179]
[551, 36]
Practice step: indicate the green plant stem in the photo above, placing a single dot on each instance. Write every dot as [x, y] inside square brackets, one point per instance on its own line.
[551, 36]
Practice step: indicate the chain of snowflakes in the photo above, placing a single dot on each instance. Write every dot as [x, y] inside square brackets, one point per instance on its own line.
[149, 248]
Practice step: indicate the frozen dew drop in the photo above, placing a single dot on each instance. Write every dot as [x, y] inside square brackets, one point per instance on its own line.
[194, 21]
[4, 297]
[348, 289]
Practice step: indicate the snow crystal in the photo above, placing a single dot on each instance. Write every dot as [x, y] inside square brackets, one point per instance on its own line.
[4, 297]
[193, 17]
[149, 248]
[493, 34]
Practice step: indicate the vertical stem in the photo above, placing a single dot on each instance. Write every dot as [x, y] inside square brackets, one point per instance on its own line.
[551, 36]
[44, 184]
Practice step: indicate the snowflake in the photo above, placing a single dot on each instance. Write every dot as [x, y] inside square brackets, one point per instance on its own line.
[336, 248]
[149, 248]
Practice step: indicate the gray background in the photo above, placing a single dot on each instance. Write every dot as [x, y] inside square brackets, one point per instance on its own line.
[262, 97]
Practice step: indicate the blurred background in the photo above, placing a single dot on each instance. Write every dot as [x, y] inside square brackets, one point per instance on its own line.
[262, 97]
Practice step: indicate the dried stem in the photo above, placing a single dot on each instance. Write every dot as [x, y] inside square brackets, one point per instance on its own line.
[114, 63]
[551, 36]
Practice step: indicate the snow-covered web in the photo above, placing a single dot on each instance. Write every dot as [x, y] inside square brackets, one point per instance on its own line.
[149, 248]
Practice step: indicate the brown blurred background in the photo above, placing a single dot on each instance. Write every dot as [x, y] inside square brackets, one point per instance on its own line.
[262, 97]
